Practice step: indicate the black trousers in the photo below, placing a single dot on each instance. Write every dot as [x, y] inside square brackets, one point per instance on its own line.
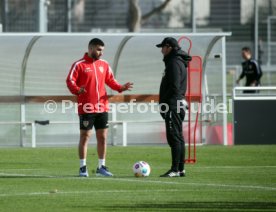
[175, 138]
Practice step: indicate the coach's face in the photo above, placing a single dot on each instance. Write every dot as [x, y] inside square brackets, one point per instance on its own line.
[95, 51]
[166, 50]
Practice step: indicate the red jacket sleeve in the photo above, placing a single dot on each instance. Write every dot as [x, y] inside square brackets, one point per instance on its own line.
[111, 81]
[72, 78]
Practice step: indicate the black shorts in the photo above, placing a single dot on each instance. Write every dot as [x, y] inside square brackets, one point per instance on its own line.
[99, 120]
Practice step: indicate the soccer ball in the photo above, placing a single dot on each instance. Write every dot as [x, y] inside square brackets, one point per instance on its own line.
[141, 169]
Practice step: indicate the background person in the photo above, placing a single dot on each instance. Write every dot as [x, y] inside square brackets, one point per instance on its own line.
[251, 70]
[87, 79]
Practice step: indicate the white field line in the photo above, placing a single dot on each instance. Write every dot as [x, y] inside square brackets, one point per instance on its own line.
[218, 185]
[233, 167]
[225, 167]
[87, 192]
[20, 169]
[195, 184]
[25, 175]
[199, 167]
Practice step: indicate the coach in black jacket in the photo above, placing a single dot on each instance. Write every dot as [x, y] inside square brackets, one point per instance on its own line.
[171, 96]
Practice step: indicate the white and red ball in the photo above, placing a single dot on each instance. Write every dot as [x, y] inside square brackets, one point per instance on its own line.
[141, 169]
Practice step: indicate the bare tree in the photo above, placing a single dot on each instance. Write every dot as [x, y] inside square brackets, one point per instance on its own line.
[78, 11]
[136, 18]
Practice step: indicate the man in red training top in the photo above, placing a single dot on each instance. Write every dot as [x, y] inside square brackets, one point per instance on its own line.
[87, 79]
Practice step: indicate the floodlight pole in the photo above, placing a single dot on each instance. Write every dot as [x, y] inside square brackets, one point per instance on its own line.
[269, 44]
[224, 92]
[193, 16]
[268, 40]
[69, 15]
[43, 17]
[5, 11]
[256, 33]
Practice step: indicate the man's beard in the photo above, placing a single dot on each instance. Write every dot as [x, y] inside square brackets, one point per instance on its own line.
[94, 56]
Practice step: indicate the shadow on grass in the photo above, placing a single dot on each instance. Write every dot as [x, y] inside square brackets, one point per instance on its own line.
[22, 177]
[19, 176]
[198, 206]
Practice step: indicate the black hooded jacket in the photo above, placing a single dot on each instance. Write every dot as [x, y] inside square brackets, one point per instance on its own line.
[174, 81]
[252, 70]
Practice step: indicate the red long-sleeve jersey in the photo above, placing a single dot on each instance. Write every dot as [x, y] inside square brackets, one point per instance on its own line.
[92, 75]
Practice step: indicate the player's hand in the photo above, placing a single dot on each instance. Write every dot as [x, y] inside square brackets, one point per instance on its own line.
[82, 90]
[238, 82]
[127, 86]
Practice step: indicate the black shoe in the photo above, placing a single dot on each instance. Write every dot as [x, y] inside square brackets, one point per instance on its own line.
[170, 173]
[83, 172]
[182, 173]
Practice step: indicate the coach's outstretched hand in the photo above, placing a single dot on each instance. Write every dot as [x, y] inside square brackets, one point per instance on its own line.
[127, 86]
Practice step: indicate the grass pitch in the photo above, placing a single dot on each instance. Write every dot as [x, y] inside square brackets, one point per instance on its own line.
[238, 178]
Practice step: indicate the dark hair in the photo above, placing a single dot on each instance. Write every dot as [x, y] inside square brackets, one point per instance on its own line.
[246, 49]
[95, 42]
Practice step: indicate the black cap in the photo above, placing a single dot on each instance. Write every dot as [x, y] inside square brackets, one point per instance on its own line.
[168, 41]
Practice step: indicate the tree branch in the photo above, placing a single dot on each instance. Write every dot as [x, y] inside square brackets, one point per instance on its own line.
[134, 21]
[155, 10]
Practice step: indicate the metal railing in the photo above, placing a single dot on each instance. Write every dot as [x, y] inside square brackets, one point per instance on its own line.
[33, 129]
[238, 93]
